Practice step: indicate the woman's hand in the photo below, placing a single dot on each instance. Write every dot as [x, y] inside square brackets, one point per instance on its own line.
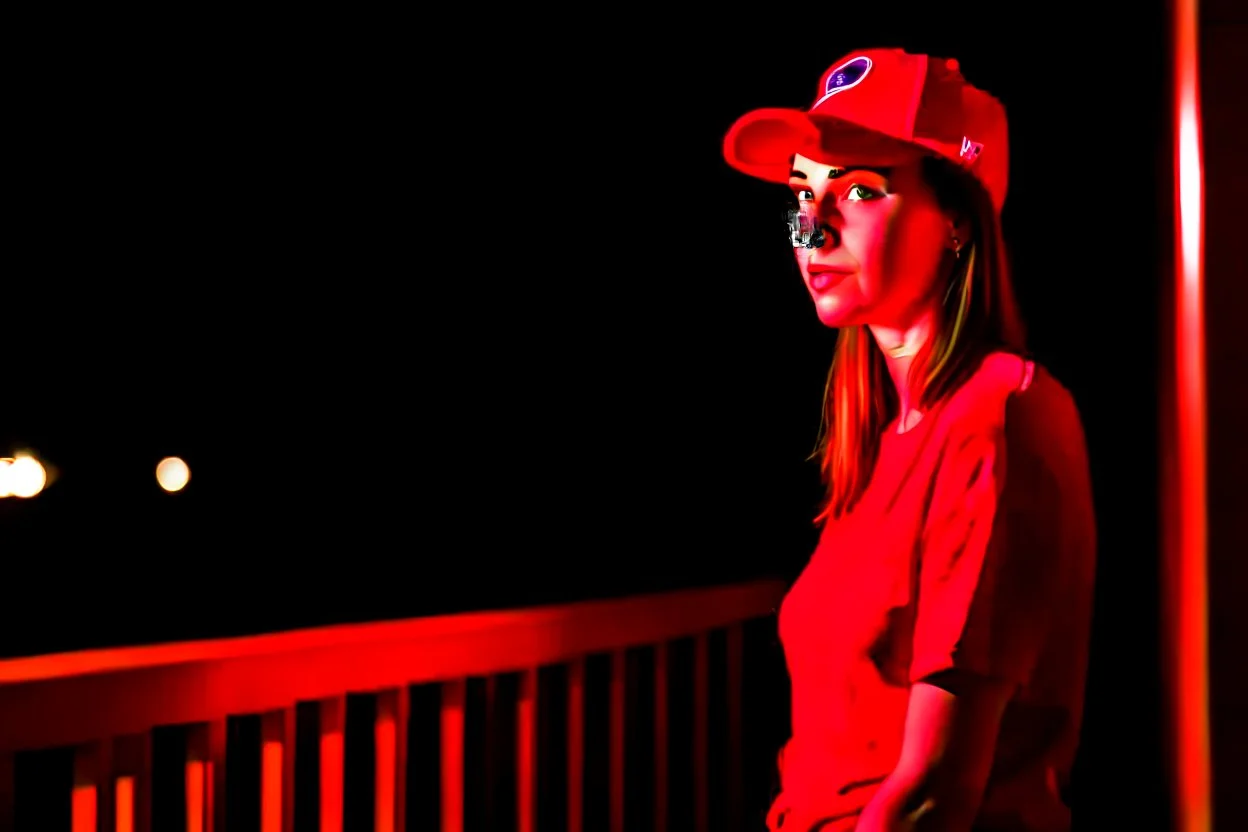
[784, 818]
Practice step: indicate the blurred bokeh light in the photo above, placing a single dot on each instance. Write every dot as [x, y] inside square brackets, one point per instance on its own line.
[172, 473]
[21, 476]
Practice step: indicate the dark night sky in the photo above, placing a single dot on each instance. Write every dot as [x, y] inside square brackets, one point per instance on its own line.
[462, 316]
[490, 328]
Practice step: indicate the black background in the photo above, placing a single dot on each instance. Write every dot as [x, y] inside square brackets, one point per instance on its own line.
[465, 314]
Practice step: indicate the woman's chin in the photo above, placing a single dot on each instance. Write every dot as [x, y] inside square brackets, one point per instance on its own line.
[833, 314]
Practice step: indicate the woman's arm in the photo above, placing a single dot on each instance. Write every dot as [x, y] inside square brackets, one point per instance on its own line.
[938, 783]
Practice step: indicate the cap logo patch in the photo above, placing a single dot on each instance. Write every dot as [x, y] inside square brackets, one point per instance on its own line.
[970, 151]
[844, 77]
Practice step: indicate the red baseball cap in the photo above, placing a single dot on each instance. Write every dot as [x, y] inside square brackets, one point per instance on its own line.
[881, 102]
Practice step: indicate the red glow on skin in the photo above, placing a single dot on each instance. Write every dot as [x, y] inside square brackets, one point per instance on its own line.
[865, 210]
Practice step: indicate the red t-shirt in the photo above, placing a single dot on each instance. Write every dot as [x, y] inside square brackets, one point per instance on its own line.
[973, 548]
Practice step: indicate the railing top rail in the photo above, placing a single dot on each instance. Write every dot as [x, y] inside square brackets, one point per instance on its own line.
[64, 698]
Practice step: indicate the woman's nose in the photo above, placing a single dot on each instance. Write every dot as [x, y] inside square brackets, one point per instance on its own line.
[831, 235]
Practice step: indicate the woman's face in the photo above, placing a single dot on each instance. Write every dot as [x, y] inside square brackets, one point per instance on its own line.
[886, 241]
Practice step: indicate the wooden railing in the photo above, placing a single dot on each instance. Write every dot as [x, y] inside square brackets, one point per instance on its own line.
[598, 715]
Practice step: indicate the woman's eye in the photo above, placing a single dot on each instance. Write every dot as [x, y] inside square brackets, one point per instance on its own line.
[860, 192]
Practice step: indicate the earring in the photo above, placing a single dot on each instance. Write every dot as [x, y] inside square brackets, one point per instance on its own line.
[957, 247]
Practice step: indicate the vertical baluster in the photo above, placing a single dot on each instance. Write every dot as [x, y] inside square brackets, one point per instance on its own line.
[132, 758]
[576, 745]
[701, 732]
[271, 754]
[205, 777]
[735, 649]
[196, 780]
[277, 770]
[661, 752]
[452, 726]
[92, 797]
[123, 804]
[526, 752]
[333, 719]
[390, 767]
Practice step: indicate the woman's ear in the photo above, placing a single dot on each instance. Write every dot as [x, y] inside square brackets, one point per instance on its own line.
[959, 231]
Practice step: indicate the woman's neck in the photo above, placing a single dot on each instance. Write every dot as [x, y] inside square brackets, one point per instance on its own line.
[900, 344]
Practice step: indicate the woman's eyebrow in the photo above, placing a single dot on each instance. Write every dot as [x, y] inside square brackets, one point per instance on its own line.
[837, 173]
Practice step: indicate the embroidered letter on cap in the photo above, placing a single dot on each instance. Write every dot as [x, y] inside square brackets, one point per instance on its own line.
[845, 76]
[970, 151]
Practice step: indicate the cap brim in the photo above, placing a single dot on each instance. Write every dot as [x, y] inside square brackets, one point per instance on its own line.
[762, 143]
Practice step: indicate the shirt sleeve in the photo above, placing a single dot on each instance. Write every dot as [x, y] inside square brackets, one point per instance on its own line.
[988, 564]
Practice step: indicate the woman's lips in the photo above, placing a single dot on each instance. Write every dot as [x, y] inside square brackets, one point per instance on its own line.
[821, 280]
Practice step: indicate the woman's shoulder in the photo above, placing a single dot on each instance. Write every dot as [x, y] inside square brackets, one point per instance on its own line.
[1015, 411]
[1014, 395]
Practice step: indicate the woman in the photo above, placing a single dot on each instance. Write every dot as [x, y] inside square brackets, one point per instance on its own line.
[937, 639]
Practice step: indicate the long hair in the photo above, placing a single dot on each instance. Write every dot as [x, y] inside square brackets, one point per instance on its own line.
[979, 314]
